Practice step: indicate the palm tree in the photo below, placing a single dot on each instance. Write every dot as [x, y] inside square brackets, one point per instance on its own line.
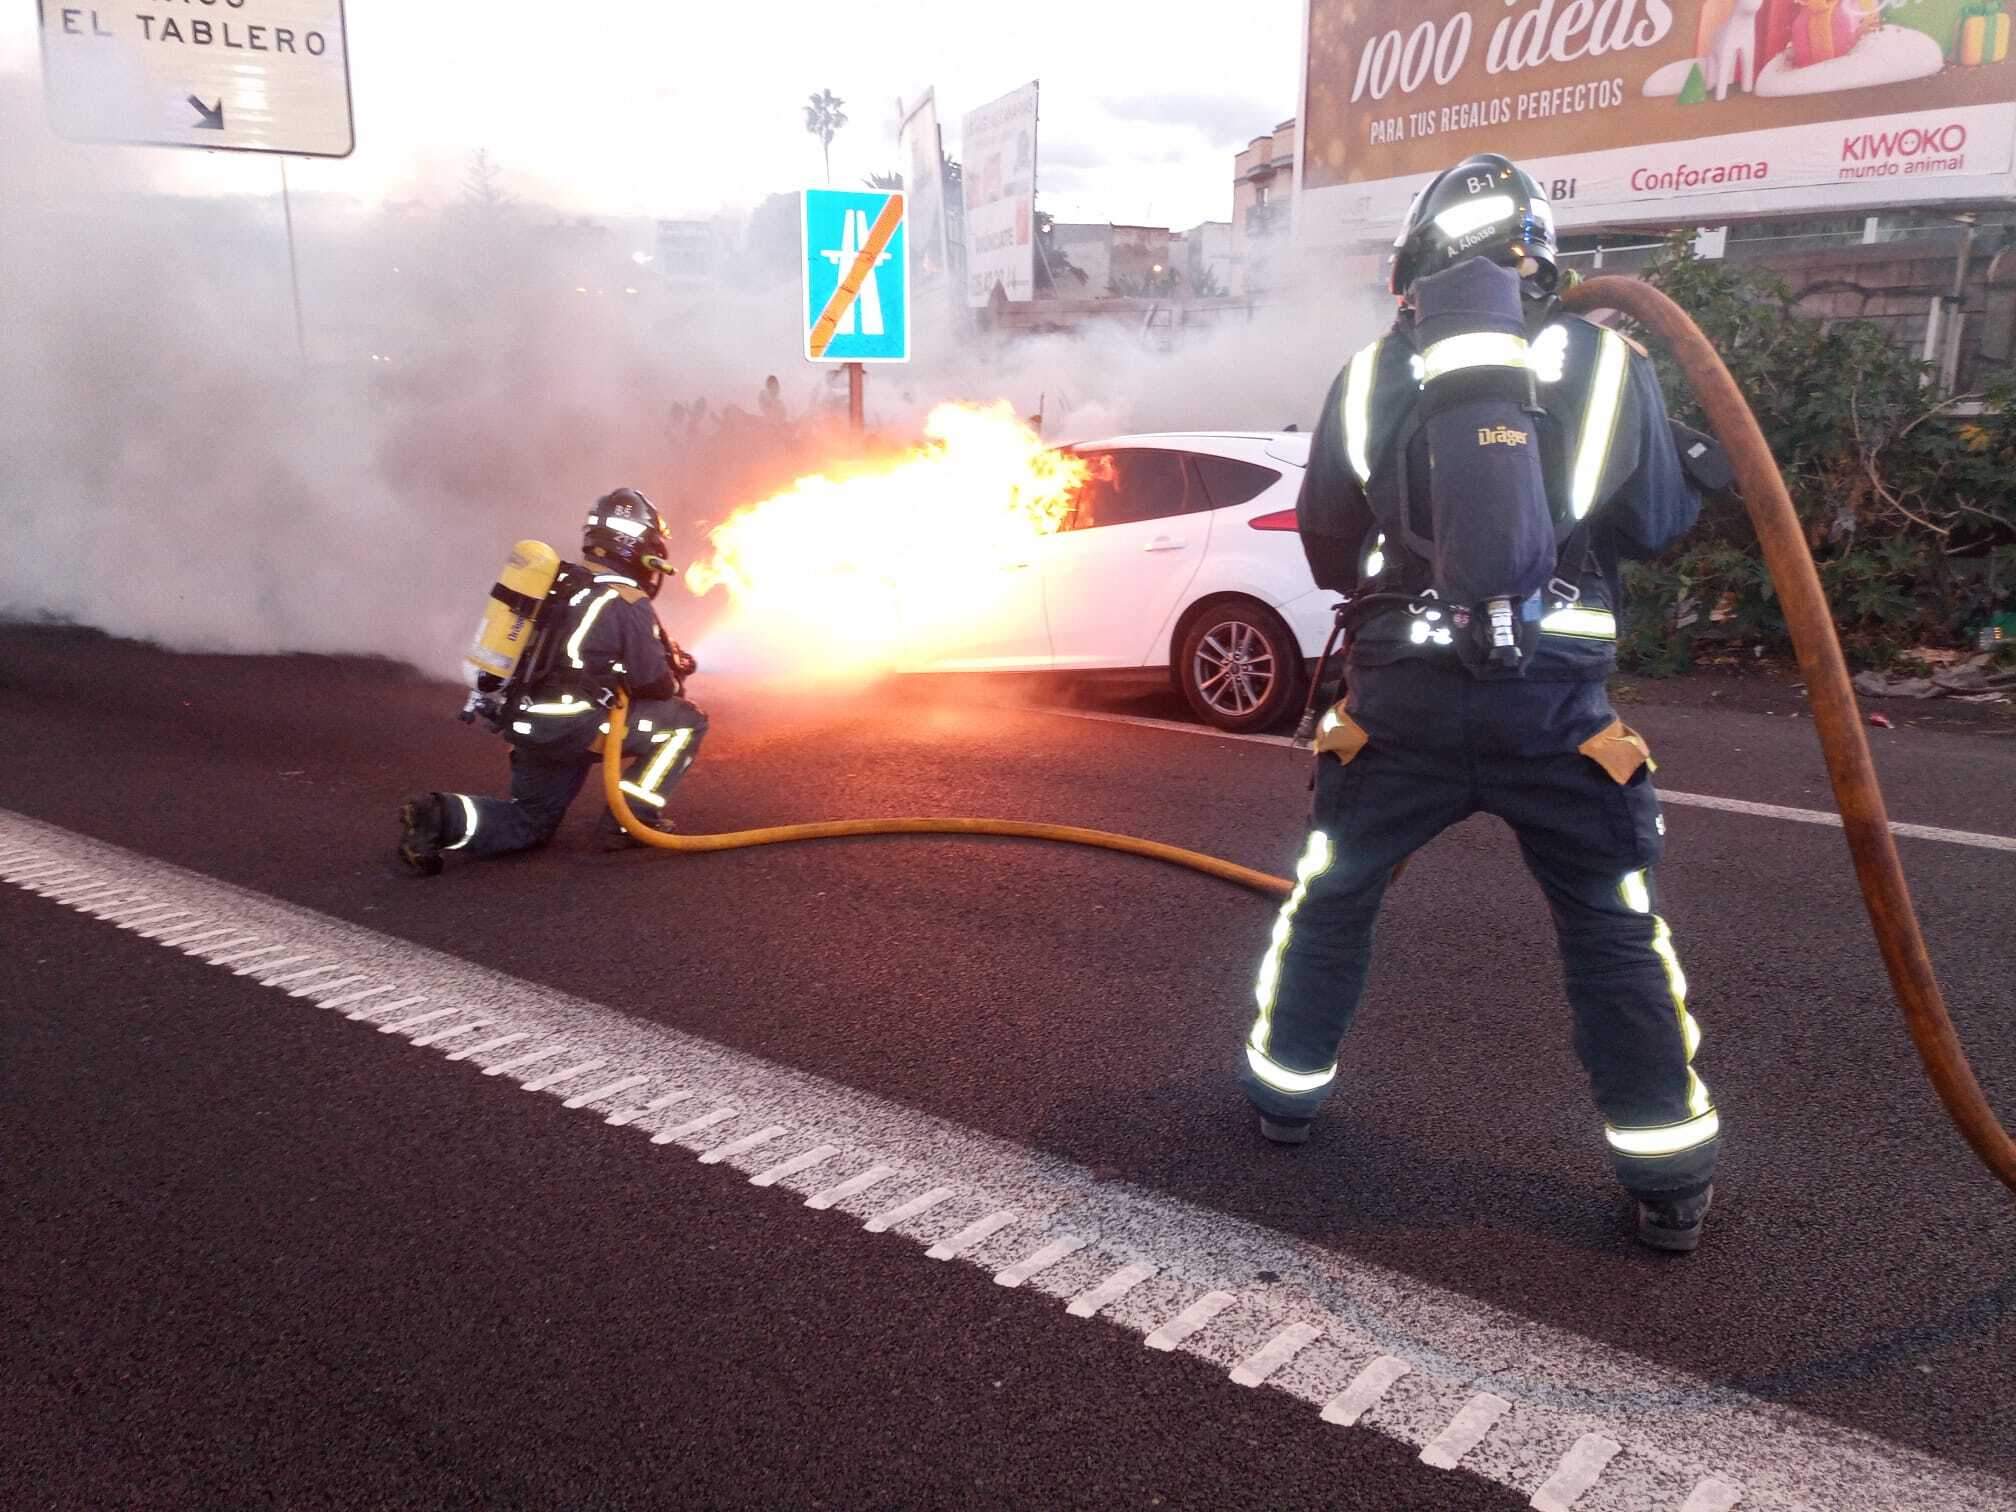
[885, 181]
[823, 117]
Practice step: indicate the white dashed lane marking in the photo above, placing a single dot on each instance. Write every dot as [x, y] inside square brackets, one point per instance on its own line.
[1576, 1473]
[736, 1146]
[1041, 1260]
[1275, 1353]
[1370, 1384]
[1465, 1431]
[903, 1212]
[1112, 1289]
[817, 1155]
[852, 1186]
[1330, 1332]
[955, 1245]
[1188, 1321]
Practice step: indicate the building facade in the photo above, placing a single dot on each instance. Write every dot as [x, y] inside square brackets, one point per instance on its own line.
[1263, 209]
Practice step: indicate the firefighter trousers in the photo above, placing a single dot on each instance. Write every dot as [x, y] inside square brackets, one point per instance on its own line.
[1421, 747]
[664, 736]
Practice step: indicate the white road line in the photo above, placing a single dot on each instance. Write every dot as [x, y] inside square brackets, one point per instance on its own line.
[1370, 1384]
[1696, 800]
[1576, 1473]
[402, 1025]
[1042, 1259]
[438, 1035]
[306, 974]
[176, 939]
[76, 899]
[309, 989]
[244, 955]
[1188, 1321]
[133, 919]
[370, 1008]
[105, 907]
[167, 923]
[1112, 1289]
[903, 1212]
[747, 1142]
[253, 971]
[494, 1044]
[48, 883]
[554, 1078]
[1713, 1495]
[1465, 1431]
[532, 1059]
[357, 997]
[852, 1186]
[1275, 1353]
[202, 953]
[693, 1125]
[814, 1156]
[28, 874]
[955, 1245]
[582, 1099]
[630, 1115]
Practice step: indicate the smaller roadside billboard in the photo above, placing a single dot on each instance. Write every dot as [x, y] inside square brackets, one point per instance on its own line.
[997, 151]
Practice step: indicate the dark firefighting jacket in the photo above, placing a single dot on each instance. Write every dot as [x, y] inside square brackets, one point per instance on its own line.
[1607, 455]
[605, 636]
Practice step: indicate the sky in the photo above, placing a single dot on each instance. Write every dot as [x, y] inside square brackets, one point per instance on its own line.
[643, 107]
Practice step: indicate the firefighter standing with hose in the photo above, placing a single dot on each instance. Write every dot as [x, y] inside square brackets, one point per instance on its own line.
[597, 636]
[1475, 478]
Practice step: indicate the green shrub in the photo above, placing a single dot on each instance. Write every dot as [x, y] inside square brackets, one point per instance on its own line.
[1907, 494]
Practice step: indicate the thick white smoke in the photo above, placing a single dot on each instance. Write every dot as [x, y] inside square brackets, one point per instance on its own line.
[171, 469]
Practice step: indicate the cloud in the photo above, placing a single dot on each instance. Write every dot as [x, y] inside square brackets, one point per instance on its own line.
[1221, 119]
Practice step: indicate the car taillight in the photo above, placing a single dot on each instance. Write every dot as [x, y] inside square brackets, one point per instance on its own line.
[1280, 519]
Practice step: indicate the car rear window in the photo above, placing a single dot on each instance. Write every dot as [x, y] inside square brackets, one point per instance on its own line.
[1229, 481]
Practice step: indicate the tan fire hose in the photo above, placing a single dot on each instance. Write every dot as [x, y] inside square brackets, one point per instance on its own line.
[1834, 710]
[1835, 714]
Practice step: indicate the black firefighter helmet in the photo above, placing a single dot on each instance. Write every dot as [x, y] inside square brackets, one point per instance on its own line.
[1486, 206]
[626, 532]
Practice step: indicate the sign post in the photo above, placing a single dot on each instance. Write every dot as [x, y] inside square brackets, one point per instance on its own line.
[249, 76]
[857, 282]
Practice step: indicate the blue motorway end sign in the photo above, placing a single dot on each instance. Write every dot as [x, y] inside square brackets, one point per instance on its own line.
[857, 276]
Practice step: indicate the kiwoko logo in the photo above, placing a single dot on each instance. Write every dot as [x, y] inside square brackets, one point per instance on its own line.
[1911, 142]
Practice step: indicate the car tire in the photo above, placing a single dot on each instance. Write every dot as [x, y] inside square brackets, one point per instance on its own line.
[1239, 667]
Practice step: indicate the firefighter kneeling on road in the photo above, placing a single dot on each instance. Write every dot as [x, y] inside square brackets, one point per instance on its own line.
[596, 634]
[1484, 591]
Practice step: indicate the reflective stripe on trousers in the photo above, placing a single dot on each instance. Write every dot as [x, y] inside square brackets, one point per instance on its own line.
[1315, 861]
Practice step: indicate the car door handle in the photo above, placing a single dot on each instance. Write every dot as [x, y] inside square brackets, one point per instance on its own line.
[1164, 543]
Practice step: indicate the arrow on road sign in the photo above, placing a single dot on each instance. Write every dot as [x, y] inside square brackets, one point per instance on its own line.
[213, 116]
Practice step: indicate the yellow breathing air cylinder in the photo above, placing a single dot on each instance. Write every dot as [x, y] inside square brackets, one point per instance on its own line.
[505, 633]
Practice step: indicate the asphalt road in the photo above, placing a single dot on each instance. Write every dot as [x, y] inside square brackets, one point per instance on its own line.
[259, 1269]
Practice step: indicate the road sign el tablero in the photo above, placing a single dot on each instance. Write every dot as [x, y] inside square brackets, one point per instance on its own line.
[1655, 111]
[245, 75]
[857, 276]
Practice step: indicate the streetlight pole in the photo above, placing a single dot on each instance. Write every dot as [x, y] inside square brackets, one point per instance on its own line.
[293, 270]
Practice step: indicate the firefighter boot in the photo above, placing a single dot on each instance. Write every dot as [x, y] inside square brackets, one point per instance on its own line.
[614, 837]
[423, 832]
[1672, 1222]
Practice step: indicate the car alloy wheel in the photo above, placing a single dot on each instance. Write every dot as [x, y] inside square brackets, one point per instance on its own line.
[1240, 669]
[1234, 668]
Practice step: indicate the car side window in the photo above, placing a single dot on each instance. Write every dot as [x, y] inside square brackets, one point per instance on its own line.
[1133, 484]
[1229, 481]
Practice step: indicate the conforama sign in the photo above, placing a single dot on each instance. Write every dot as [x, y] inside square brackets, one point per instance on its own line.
[1657, 111]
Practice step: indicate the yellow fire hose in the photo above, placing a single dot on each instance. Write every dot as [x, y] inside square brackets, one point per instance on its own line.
[1820, 661]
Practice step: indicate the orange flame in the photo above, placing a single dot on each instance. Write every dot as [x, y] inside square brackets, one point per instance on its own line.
[877, 567]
